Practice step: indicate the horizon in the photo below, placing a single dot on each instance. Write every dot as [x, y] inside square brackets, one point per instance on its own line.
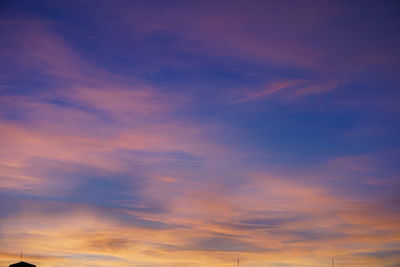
[197, 133]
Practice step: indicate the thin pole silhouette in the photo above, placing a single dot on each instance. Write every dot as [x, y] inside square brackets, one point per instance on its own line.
[21, 256]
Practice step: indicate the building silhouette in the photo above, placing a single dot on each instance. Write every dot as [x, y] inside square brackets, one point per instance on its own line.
[22, 264]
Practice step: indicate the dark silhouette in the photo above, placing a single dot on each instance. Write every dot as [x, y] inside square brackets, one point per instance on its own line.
[22, 264]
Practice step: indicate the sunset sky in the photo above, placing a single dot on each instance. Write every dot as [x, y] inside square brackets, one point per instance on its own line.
[176, 133]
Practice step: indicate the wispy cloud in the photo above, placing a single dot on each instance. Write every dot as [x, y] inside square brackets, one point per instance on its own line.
[290, 89]
[109, 157]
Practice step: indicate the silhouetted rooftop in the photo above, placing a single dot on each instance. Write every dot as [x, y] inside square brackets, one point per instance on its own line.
[22, 264]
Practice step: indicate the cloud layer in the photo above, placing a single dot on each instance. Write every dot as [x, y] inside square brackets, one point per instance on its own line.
[194, 134]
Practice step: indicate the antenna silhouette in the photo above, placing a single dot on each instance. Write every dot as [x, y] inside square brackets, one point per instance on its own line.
[238, 262]
[21, 256]
[333, 262]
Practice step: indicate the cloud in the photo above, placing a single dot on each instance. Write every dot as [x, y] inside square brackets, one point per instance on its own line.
[103, 168]
[290, 89]
[222, 244]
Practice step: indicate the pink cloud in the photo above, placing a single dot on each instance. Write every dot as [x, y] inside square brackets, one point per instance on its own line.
[286, 90]
[361, 163]
[210, 215]
[228, 28]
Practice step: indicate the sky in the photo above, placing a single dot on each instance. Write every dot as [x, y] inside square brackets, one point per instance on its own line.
[195, 133]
